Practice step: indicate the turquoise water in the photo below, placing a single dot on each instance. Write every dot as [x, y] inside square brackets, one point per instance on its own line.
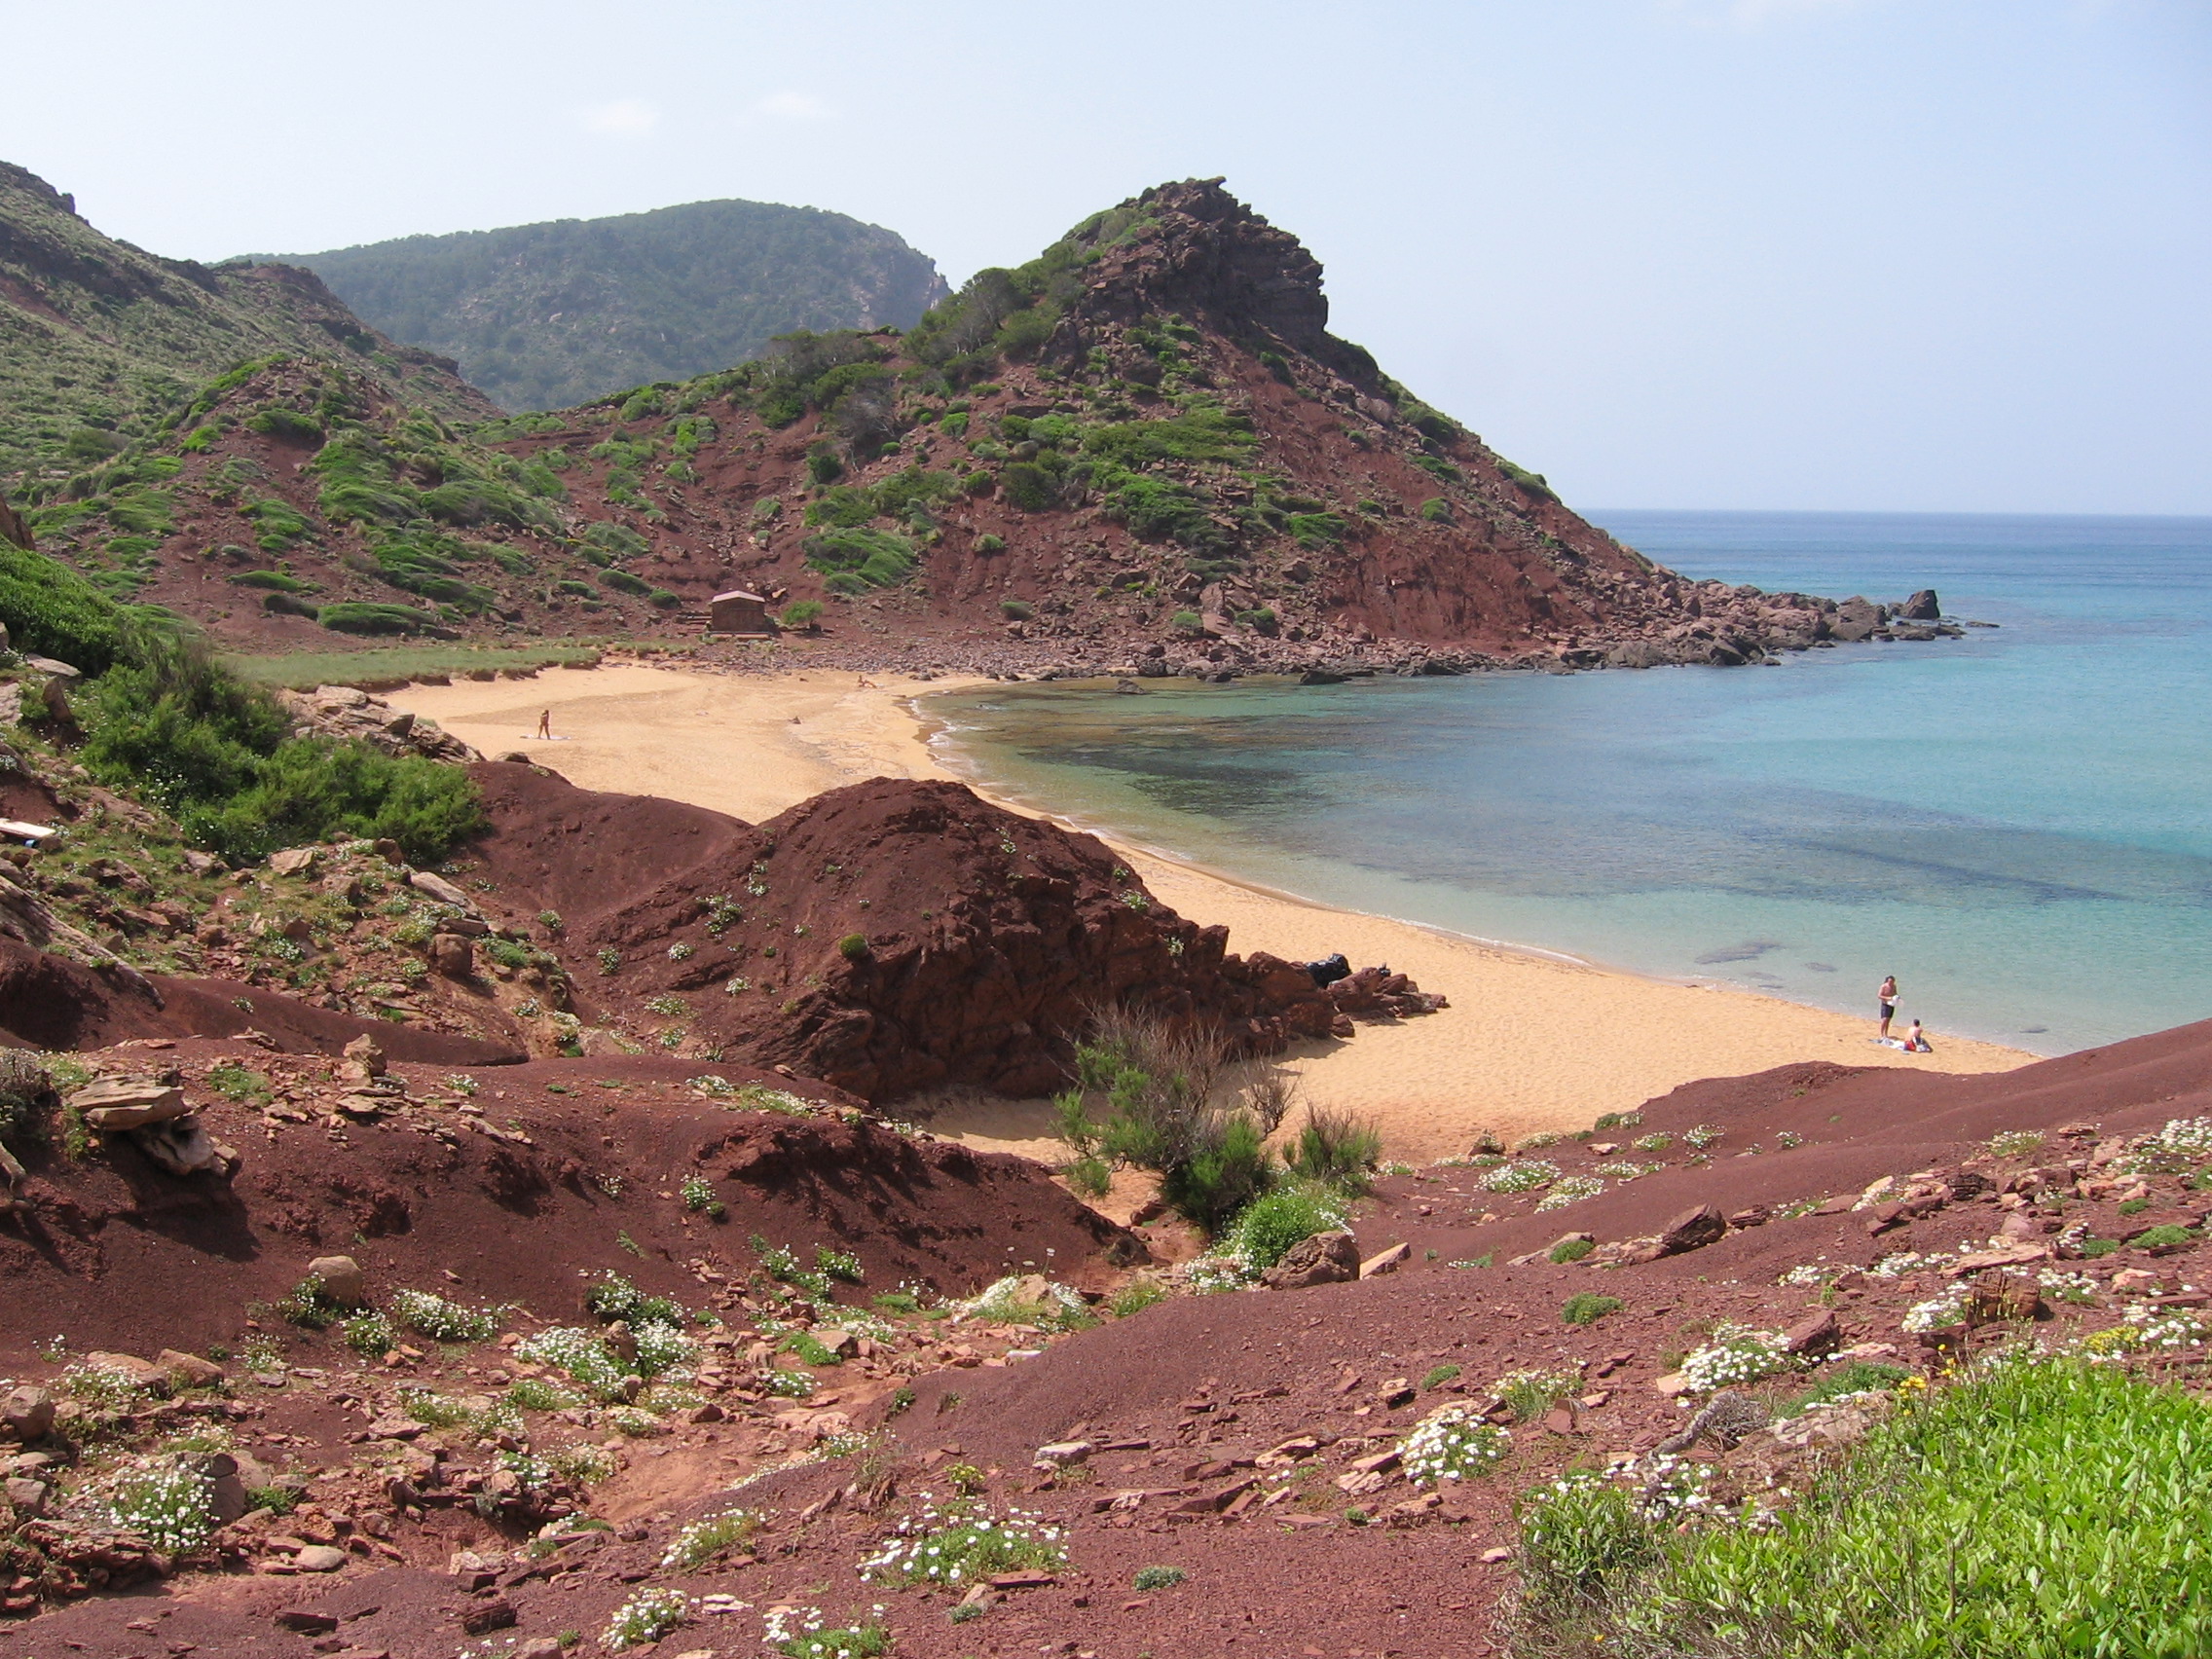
[2017, 824]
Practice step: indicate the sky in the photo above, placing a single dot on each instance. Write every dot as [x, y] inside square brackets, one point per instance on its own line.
[1879, 255]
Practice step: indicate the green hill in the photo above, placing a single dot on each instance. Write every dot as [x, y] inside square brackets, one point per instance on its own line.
[103, 342]
[544, 316]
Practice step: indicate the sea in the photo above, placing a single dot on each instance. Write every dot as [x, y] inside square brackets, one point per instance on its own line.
[2016, 824]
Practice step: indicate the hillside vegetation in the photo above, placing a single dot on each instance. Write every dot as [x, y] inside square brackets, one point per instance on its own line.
[546, 315]
[1142, 452]
[102, 343]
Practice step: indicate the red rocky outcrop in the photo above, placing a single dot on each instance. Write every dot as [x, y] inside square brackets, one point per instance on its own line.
[887, 936]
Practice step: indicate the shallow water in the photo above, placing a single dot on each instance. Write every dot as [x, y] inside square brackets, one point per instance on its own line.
[2019, 824]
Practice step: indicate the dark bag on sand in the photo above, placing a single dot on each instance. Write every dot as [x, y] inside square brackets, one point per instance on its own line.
[1329, 970]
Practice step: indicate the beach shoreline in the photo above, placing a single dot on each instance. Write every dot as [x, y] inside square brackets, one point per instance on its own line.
[1532, 1041]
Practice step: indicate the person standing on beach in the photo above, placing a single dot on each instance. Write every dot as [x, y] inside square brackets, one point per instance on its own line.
[1886, 997]
[546, 729]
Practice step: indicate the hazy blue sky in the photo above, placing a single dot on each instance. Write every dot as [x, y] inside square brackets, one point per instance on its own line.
[1933, 255]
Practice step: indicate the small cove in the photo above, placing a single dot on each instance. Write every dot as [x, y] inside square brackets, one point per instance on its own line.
[2017, 824]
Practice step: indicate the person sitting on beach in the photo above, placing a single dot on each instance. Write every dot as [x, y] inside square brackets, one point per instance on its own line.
[1916, 1040]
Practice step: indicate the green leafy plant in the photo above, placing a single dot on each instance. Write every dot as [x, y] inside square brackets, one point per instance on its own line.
[1571, 1250]
[1149, 1578]
[1588, 1308]
[2034, 1472]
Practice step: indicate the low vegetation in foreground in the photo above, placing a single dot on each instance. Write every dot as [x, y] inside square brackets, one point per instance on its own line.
[2043, 1506]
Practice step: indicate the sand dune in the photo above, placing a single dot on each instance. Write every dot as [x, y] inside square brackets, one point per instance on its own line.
[1529, 1043]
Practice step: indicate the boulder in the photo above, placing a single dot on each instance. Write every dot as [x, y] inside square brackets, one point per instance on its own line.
[139, 1373]
[183, 1146]
[1324, 1258]
[26, 1497]
[295, 861]
[1855, 619]
[453, 955]
[189, 1369]
[1922, 607]
[26, 1415]
[364, 1053]
[120, 1103]
[319, 1557]
[439, 888]
[342, 1279]
[1692, 1230]
[1813, 1337]
[1385, 1261]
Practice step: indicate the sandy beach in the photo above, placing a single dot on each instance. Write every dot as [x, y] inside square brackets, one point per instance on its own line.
[1528, 1043]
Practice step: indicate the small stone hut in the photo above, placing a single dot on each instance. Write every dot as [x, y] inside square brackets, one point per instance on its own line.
[737, 613]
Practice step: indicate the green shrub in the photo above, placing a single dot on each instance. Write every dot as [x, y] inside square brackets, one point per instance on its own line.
[1437, 510]
[822, 467]
[621, 581]
[1089, 1176]
[1188, 622]
[1338, 1148]
[803, 613]
[313, 790]
[52, 610]
[1587, 1307]
[1273, 1222]
[1438, 1376]
[2163, 1238]
[853, 947]
[288, 424]
[841, 507]
[1227, 1171]
[1158, 1577]
[1316, 529]
[853, 560]
[354, 617]
[1017, 610]
[1571, 1250]
[277, 581]
[2041, 1508]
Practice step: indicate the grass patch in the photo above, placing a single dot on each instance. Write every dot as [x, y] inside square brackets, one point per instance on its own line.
[1588, 1309]
[302, 671]
[2046, 1508]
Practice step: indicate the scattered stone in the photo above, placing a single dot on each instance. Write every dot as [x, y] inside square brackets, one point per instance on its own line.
[1062, 1451]
[26, 1497]
[1385, 1261]
[439, 888]
[304, 1623]
[1811, 1337]
[342, 1279]
[26, 1415]
[363, 1052]
[118, 1103]
[1323, 1258]
[1672, 1385]
[319, 1557]
[139, 1373]
[295, 861]
[190, 1369]
[1693, 1230]
[453, 956]
[479, 1618]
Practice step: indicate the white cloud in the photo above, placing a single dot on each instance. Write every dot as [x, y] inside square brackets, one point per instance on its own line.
[792, 106]
[625, 117]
